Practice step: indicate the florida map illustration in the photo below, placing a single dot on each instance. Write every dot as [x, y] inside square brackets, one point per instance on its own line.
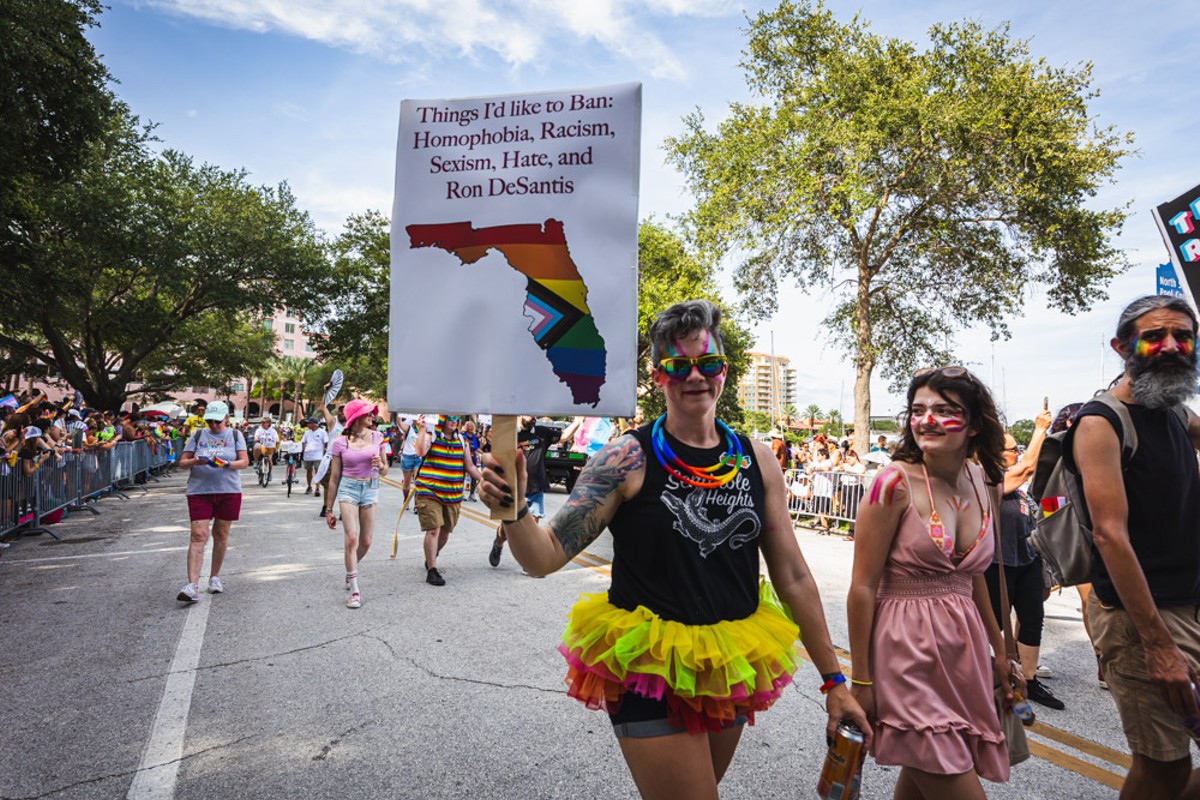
[555, 294]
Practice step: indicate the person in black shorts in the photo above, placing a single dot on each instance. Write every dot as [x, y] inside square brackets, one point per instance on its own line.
[690, 510]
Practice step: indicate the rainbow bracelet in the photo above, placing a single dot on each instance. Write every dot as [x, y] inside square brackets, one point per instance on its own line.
[831, 682]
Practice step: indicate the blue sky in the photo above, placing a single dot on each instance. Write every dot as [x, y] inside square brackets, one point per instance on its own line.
[308, 92]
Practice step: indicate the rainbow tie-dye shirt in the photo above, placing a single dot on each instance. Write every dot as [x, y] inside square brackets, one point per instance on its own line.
[441, 475]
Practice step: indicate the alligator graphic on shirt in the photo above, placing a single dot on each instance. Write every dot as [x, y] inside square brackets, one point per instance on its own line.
[691, 520]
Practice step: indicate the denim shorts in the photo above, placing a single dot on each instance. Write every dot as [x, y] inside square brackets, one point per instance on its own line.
[537, 504]
[409, 463]
[362, 492]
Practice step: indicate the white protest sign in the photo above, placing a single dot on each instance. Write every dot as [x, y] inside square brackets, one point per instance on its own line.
[514, 254]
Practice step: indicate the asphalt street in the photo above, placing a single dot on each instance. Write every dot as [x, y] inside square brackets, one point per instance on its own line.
[110, 688]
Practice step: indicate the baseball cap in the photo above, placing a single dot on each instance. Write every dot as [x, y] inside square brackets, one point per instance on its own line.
[217, 410]
[32, 432]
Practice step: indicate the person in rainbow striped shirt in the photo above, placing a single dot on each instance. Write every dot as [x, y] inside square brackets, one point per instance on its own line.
[440, 487]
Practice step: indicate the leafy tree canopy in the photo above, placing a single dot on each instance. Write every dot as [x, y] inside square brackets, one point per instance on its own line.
[53, 88]
[928, 188]
[356, 321]
[669, 273]
[1022, 431]
[147, 268]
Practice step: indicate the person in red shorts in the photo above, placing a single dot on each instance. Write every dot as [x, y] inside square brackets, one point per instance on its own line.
[214, 454]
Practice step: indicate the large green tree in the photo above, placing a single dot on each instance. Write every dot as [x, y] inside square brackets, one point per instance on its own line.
[356, 322]
[669, 272]
[929, 187]
[146, 271]
[53, 89]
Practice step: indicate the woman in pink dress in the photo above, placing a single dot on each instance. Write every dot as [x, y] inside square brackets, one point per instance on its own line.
[925, 643]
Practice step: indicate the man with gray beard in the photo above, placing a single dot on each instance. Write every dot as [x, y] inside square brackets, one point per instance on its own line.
[1145, 510]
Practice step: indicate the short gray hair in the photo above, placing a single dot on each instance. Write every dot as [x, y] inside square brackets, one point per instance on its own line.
[1144, 305]
[681, 320]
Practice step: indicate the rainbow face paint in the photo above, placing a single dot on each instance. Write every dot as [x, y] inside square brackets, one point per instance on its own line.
[948, 417]
[1149, 344]
[677, 365]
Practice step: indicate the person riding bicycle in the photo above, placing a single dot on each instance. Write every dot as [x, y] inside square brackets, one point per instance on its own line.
[266, 440]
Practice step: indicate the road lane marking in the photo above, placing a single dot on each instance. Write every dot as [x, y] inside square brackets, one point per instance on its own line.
[1093, 749]
[20, 561]
[584, 559]
[1076, 765]
[159, 767]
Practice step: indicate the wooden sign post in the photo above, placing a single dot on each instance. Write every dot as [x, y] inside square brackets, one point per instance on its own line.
[504, 450]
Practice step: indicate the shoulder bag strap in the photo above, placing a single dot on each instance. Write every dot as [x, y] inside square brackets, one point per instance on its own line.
[1010, 644]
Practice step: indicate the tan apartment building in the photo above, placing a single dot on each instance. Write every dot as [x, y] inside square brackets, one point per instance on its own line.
[768, 385]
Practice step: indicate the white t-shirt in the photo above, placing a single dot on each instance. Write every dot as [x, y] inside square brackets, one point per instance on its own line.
[410, 440]
[267, 437]
[314, 443]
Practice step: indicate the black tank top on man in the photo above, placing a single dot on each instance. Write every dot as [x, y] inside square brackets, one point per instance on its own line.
[688, 554]
[1162, 487]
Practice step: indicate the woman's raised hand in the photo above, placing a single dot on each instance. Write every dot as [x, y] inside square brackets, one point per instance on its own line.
[496, 490]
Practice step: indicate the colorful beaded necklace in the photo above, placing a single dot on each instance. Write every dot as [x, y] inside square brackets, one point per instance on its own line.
[719, 474]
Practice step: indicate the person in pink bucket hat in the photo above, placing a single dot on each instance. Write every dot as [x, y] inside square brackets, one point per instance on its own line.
[357, 463]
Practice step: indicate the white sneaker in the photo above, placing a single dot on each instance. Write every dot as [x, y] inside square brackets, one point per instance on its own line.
[1044, 672]
[214, 585]
[354, 601]
[188, 594]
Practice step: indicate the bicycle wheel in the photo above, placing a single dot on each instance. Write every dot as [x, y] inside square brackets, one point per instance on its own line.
[291, 478]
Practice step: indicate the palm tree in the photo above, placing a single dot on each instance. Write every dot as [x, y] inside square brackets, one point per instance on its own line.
[272, 372]
[833, 421]
[294, 369]
[813, 414]
[789, 414]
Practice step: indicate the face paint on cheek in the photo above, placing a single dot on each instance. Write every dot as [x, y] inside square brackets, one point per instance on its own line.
[1187, 346]
[1143, 348]
[952, 424]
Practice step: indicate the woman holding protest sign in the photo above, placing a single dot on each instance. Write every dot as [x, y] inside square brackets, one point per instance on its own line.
[690, 510]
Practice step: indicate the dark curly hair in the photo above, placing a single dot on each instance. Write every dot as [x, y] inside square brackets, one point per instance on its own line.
[986, 445]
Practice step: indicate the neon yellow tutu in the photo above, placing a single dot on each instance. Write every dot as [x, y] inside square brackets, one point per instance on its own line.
[708, 673]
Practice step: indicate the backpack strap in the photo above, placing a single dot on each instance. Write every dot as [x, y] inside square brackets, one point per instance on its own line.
[1129, 437]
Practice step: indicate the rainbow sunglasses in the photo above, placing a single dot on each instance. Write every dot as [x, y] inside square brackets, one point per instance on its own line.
[677, 368]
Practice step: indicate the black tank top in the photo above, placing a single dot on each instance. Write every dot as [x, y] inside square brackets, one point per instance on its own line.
[689, 555]
[1163, 491]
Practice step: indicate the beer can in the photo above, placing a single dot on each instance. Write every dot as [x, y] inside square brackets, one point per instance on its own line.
[842, 772]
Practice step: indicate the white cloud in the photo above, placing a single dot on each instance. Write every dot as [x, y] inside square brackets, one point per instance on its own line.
[519, 33]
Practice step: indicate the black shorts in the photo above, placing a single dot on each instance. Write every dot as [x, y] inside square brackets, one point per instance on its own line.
[644, 718]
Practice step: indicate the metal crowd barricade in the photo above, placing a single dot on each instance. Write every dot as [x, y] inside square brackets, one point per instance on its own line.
[75, 481]
[829, 495]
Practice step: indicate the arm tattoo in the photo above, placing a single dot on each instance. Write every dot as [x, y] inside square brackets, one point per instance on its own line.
[582, 518]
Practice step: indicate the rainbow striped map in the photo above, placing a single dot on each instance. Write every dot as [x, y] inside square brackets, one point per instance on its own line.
[555, 294]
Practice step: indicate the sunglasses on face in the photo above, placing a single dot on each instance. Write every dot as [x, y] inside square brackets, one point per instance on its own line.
[677, 368]
[949, 372]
